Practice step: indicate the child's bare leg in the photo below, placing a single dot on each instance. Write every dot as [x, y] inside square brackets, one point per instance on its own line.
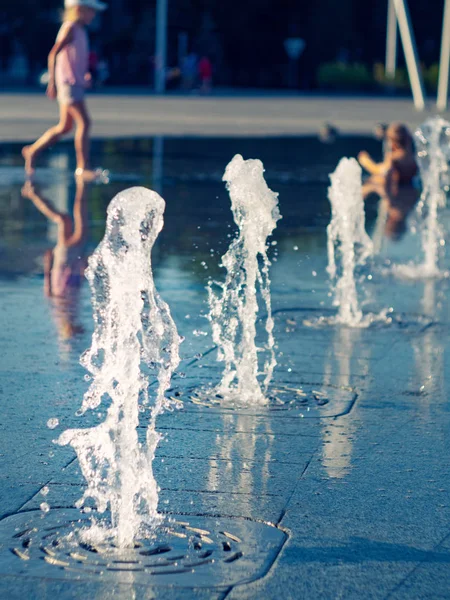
[62, 220]
[49, 137]
[79, 212]
[80, 115]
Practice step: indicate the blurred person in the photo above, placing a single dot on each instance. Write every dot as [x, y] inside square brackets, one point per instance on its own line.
[68, 64]
[396, 203]
[328, 133]
[205, 72]
[399, 159]
[189, 69]
[102, 71]
[393, 179]
[64, 265]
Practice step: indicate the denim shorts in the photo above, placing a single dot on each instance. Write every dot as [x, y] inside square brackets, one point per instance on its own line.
[69, 94]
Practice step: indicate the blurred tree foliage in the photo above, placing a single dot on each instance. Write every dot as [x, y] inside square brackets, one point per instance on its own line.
[243, 39]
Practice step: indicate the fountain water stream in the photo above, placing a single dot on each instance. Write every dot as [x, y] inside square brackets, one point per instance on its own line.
[348, 243]
[432, 141]
[234, 305]
[135, 338]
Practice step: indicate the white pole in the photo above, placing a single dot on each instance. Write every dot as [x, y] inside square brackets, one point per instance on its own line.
[444, 64]
[409, 48]
[161, 46]
[391, 41]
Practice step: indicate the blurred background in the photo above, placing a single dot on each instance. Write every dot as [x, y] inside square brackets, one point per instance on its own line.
[324, 45]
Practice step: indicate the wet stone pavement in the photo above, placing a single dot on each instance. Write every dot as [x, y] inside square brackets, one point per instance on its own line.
[343, 493]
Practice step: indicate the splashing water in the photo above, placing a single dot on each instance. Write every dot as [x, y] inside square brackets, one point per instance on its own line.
[348, 243]
[135, 337]
[234, 307]
[432, 141]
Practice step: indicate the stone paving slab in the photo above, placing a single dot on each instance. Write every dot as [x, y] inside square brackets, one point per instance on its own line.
[24, 117]
[231, 422]
[238, 474]
[267, 508]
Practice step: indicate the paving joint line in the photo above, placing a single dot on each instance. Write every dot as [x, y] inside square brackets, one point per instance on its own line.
[414, 569]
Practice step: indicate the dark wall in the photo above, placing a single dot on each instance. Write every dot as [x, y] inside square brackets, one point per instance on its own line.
[244, 38]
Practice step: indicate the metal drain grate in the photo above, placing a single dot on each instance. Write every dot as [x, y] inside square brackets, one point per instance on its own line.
[186, 551]
[305, 401]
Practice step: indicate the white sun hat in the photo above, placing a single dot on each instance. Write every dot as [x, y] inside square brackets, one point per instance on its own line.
[95, 4]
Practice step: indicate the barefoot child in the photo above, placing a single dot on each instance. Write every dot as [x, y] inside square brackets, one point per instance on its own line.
[399, 161]
[392, 180]
[68, 77]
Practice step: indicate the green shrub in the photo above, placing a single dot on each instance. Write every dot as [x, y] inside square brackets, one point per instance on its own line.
[339, 75]
[399, 82]
[430, 77]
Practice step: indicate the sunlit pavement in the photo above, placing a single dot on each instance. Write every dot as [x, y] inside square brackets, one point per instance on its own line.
[24, 117]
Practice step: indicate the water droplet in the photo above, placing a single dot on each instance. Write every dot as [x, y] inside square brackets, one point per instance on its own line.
[369, 277]
[274, 243]
[45, 491]
[52, 423]
[295, 248]
[44, 507]
[314, 273]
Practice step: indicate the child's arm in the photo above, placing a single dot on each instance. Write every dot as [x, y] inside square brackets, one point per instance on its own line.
[64, 37]
[371, 166]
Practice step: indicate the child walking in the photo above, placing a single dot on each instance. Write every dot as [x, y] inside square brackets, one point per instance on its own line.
[68, 77]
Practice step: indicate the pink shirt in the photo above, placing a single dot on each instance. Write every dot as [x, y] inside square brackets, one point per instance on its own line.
[72, 61]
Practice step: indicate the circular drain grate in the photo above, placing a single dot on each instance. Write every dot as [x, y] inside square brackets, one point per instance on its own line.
[307, 400]
[200, 551]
